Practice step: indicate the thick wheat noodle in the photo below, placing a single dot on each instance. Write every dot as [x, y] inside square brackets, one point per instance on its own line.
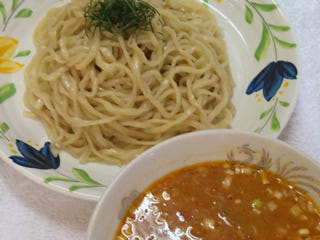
[105, 97]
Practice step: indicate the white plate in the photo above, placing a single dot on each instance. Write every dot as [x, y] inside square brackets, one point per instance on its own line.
[257, 35]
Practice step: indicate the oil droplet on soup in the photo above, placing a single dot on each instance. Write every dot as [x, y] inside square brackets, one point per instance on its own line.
[221, 200]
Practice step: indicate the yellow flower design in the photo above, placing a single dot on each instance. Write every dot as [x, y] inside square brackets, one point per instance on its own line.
[8, 46]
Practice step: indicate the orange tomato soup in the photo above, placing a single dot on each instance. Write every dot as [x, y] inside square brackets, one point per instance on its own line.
[223, 200]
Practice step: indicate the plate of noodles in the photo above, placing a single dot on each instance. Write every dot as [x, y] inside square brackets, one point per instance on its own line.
[88, 85]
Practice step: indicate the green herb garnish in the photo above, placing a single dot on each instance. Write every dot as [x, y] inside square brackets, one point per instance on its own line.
[119, 16]
[256, 203]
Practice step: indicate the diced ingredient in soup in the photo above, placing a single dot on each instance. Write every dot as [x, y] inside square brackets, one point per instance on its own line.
[223, 200]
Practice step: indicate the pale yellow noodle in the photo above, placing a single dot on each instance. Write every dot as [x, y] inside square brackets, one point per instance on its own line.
[107, 98]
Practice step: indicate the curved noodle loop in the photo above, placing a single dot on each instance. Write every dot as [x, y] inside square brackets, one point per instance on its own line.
[105, 97]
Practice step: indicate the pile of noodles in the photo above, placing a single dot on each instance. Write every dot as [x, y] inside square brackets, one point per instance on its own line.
[105, 97]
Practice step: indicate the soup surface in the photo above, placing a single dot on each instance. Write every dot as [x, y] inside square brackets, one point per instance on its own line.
[222, 200]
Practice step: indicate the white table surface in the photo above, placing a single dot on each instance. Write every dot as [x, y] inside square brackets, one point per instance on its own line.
[30, 211]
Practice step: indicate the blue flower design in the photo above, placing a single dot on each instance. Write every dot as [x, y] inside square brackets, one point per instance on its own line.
[271, 77]
[33, 158]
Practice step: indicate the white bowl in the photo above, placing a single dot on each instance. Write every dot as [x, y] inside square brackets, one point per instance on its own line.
[207, 145]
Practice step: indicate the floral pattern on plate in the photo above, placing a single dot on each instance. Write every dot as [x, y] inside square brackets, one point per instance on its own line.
[45, 159]
[270, 78]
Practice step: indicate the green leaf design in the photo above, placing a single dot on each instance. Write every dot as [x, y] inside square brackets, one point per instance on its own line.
[14, 4]
[24, 13]
[265, 7]
[61, 179]
[285, 44]
[265, 113]
[4, 127]
[264, 43]
[82, 175]
[249, 15]
[275, 123]
[257, 130]
[279, 28]
[77, 187]
[6, 91]
[3, 12]
[23, 53]
[81, 180]
[284, 104]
